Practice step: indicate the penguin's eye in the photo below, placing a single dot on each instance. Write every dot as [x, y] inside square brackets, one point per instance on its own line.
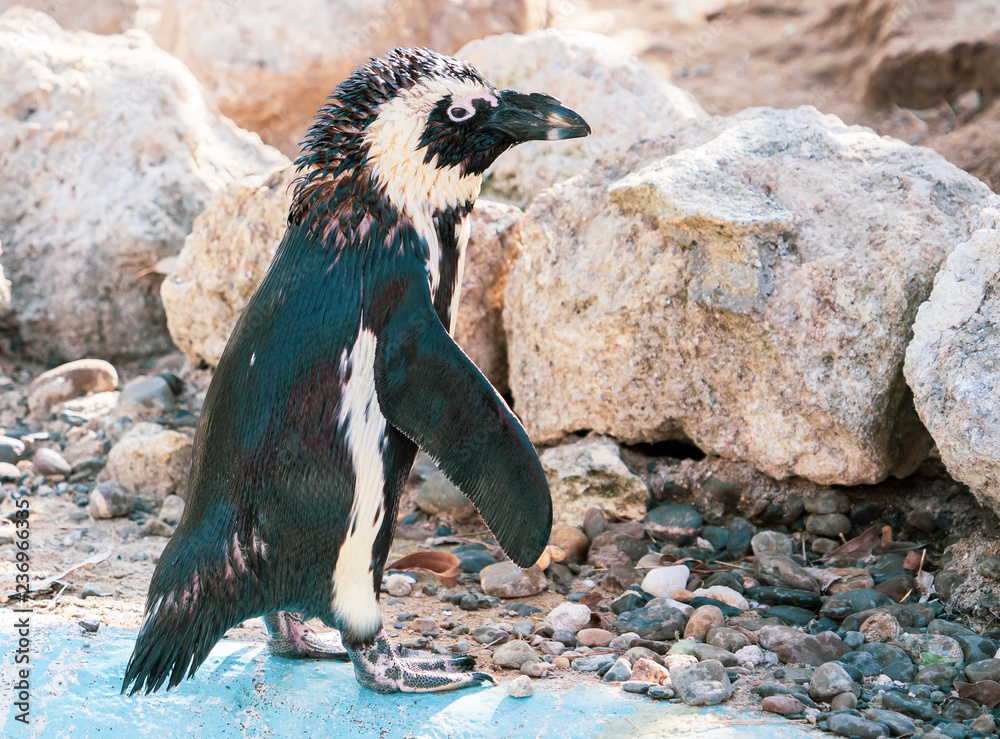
[461, 112]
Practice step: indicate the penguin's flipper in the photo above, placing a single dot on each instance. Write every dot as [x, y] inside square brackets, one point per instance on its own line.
[379, 668]
[433, 393]
[293, 638]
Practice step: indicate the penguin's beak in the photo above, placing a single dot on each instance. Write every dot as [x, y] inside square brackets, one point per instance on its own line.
[535, 117]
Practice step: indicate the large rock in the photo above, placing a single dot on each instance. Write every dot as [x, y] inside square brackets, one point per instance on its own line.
[96, 16]
[235, 238]
[621, 98]
[935, 52]
[151, 462]
[109, 152]
[269, 65]
[589, 474]
[953, 362]
[749, 284]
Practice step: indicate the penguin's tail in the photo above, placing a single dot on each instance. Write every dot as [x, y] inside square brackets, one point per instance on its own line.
[186, 615]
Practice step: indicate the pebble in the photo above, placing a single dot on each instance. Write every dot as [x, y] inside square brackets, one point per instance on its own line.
[880, 627]
[750, 656]
[908, 706]
[594, 662]
[594, 637]
[941, 646]
[985, 723]
[657, 623]
[399, 585]
[89, 590]
[701, 684]
[856, 727]
[863, 662]
[48, 462]
[423, 623]
[949, 628]
[705, 652]
[572, 541]
[725, 594]
[677, 523]
[172, 509]
[976, 648]
[637, 686]
[940, 676]
[623, 641]
[702, 621]
[649, 670]
[740, 536]
[782, 571]
[507, 580]
[489, 635]
[146, 393]
[11, 450]
[729, 639]
[825, 501]
[828, 524]
[70, 380]
[897, 723]
[156, 527]
[786, 705]
[460, 646]
[536, 668]
[620, 671]
[634, 654]
[661, 582]
[829, 680]
[851, 578]
[90, 625]
[569, 617]
[771, 542]
[9, 472]
[513, 654]
[595, 523]
[989, 567]
[520, 687]
[110, 500]
[610, 549]
[779, 596]
[473, 561]
[843, 701]
[561, 663]
[898, 587]
[661, 692]
[986, 669]
[960, 709]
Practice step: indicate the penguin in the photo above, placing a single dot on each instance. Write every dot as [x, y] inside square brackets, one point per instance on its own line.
[339, 368]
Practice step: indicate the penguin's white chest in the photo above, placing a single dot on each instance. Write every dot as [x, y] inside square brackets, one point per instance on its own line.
[363, 425]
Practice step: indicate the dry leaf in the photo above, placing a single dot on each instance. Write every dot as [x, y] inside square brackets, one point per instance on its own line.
[591, 599]
[986, 692]
[860, 546]
[442, 565]
[40, 586]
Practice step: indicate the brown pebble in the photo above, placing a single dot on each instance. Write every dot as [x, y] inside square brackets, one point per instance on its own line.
[647, 669]
[880, 627]
[634, 654]
[156, 527]
[560, 663]
[423, 624]
[683, 595]
[703, 620]
[594, 637]
[572, 541]
[843, 701]
[786, 705]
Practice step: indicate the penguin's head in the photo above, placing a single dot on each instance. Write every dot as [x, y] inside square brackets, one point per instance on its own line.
[420, 128]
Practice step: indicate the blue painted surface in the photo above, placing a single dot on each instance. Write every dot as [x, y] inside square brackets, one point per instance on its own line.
[242, 691]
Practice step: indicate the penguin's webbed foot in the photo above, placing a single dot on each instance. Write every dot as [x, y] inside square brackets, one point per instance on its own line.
[383, 668]
[291, 637]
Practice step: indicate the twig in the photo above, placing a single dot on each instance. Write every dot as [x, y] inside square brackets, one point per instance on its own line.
[52, 605]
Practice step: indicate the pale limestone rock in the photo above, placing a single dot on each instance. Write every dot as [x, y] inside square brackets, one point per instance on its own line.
[270, 64]
[748, 285]
[67, 381]
[109, 152]
[234, 241]
[96, 16]
[589, 474]
[953, 362]
[151, 462]
[621, 98]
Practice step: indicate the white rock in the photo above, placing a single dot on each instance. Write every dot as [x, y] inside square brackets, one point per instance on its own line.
[569, 616]
[96, 16]
[520, 687]
[172, 509]
[269, 65]
[110, 151]
[5, 291]
[710, 287]
[243, 224]
[621, 98]
[399, 585]
[952, 363]
[661, 582]
[749, 656]
[727, 595]
[589, 474]
[151, 462]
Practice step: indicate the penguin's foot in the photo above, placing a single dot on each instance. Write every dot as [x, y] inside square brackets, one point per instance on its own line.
[291, 637]
[383, 668]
